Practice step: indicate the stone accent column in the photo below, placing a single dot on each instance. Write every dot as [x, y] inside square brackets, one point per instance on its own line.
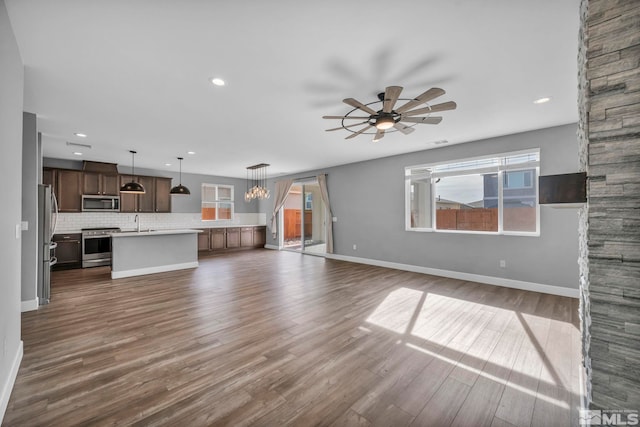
[611, 288]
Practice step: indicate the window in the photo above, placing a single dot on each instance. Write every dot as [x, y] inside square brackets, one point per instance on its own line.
[495, 194]
[217, 202]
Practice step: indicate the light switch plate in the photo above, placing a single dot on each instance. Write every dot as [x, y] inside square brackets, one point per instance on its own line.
[24, 225]
[18, 231]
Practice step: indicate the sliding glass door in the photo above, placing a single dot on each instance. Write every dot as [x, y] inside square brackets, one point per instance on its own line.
[303, 219]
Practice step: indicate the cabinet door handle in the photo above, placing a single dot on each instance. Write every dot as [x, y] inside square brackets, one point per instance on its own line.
[66, 237]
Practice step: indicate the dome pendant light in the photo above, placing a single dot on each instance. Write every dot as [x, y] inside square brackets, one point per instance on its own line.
[180, 189]
[132, 187]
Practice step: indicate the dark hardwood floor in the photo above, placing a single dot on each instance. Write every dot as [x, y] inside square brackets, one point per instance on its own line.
[270, 338]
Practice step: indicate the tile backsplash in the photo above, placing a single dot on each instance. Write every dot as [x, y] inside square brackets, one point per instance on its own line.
[74, 222]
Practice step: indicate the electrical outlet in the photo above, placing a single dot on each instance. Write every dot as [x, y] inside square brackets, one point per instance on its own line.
[334, 219]
[355, 247]
[503, 263]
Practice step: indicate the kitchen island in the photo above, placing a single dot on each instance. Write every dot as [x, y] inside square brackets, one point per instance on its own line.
[136, 253]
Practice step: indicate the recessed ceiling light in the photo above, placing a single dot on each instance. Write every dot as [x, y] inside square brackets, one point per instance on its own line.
[81, 135]
[167, 164]
[217, 81]
[191, 152]
[542, 100]
[77, 153]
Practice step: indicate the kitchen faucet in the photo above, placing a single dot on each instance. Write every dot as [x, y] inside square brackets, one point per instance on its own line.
[137, 221]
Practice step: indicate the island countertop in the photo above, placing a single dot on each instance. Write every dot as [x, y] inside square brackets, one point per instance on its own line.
[146, 252]
[152, 232]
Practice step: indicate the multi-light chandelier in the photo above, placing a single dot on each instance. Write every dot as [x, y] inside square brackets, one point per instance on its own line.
[258, 181]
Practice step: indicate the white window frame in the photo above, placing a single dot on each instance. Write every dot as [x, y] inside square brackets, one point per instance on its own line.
[499, 168]
[217, 201]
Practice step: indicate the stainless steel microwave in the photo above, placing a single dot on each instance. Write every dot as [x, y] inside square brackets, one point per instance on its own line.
[100, 203]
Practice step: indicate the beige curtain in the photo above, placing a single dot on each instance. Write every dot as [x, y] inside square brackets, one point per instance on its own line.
[322, 182]
[282, 191]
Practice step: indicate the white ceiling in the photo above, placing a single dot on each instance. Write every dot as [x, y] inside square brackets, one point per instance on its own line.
[134, 75]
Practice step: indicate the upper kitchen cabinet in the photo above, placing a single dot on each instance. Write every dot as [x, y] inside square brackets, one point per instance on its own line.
[163, 197]
[68, 190]
[101, 184]
[100, 179]
[155, 199]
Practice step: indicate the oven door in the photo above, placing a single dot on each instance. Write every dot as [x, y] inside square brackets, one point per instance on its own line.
[96, 251]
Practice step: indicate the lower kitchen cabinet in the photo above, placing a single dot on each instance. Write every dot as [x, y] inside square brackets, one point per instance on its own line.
[204, 240]
[259, 236]
[69, 251]
[218, 239]
[246, 237]
[231, 238]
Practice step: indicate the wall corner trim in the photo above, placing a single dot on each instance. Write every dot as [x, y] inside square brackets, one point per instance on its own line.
[489, 280]
[7, 387]
[29, 305]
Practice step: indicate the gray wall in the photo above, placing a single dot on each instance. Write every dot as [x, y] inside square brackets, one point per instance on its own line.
[368, 199]
[11, 104]
[30, 168]
[179, 204]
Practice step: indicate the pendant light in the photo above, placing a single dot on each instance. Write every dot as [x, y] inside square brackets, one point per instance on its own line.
[132, 187]
[180, 189]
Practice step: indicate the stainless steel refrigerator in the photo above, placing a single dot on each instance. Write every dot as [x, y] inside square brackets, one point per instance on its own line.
[47, 217]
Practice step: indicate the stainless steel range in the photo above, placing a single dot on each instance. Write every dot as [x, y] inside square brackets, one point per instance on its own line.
[96, 246]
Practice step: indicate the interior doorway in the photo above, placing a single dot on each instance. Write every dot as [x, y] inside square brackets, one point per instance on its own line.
[303, 219]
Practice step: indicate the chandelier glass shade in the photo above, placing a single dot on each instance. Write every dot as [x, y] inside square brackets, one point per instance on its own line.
[257, 183]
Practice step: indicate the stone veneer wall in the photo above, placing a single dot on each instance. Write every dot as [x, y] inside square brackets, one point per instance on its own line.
[612, 30]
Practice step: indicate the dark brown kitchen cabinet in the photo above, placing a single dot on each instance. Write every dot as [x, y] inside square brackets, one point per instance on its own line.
[95, 183]
[259, 236]
[68, 251]
[68, 190]
[246, 237]
[233, 238]
[162, 195]
[49, 177]
[221, 239]
[155, 199]
[204, 240]
[218, 239]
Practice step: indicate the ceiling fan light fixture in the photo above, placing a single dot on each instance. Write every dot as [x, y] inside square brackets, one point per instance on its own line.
[384, 123]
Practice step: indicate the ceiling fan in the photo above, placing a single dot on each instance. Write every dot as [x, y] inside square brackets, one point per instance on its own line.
[401, 119]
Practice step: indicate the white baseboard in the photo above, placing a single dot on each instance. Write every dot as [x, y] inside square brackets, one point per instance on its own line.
[7, 387]
[29, 305]
[490, 280]
[152, 270]
[274, 247]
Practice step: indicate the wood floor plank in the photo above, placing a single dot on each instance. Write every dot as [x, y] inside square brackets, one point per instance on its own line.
[268, 338]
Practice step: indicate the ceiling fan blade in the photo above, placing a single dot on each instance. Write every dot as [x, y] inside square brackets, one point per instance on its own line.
[391, 95]
[379, 135]
[427, 96]
[432, 109]
[346, 117]
[364, 129]
[347, 126]
[359, 105]
[424, 120]
[404, 128]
